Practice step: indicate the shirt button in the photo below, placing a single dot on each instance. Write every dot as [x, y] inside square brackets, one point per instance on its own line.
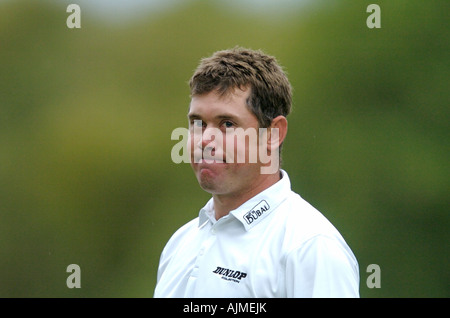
[213, 231]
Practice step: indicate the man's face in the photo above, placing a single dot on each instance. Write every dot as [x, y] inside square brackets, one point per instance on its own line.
[213, 116]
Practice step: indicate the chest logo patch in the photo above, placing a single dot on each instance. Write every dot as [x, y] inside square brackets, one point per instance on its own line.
[229, 274]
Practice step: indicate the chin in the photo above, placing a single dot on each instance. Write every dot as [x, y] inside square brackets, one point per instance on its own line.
[209, 187]
[208, 183]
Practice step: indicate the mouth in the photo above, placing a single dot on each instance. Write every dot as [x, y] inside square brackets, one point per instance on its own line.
[208, 157]
[209, 167]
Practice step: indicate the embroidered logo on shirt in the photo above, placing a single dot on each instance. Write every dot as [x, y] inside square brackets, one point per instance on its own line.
[229, 274]
[256, 212]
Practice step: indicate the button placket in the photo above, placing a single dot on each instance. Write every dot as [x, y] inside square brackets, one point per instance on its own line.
[205, 247]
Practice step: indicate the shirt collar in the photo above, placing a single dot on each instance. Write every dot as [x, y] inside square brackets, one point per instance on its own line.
[253, 211]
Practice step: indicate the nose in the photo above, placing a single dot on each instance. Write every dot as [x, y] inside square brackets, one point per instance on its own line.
[208, 139]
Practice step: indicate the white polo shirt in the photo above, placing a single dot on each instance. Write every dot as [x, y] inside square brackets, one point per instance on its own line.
[274, 245]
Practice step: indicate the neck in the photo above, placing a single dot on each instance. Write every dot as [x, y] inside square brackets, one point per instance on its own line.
[224, 203]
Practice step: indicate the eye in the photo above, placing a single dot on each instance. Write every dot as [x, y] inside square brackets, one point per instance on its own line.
[228, 124]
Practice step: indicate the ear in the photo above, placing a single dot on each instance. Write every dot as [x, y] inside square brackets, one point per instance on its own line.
[275, 140]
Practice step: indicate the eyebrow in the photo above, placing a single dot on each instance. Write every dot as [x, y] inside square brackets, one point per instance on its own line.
[194, 116]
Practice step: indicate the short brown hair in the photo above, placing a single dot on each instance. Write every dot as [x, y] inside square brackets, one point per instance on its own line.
[271, 92]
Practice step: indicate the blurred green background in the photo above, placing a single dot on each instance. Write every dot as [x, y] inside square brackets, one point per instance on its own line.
[86, 116]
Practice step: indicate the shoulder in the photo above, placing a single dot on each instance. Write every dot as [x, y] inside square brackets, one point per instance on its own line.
[303, 220]
[304, 226]
[314, 246]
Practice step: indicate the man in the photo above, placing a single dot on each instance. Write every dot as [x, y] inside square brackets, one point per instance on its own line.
[254, 237]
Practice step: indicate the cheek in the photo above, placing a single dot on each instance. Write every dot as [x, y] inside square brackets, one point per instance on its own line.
[243, 150]
[190, 143]
[233, 149]
[193, 147]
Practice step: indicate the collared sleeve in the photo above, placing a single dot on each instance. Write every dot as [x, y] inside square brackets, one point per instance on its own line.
[322, 267]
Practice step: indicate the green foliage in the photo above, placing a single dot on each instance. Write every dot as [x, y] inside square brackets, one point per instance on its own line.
[86, 116]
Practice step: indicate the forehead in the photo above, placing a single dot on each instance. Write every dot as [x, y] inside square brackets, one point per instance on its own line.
[213, 104]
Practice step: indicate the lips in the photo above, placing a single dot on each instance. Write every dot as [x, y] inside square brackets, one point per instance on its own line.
[207, 158]
[211, 160]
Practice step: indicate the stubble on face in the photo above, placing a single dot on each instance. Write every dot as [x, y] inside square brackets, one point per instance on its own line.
[220, 177]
